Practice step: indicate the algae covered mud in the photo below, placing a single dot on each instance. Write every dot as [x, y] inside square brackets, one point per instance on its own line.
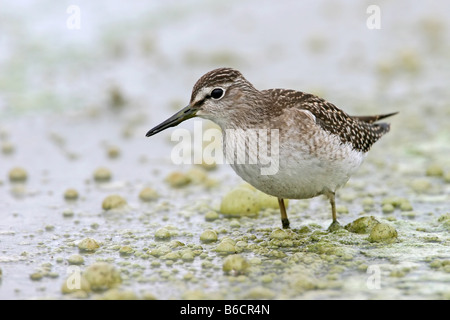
[91, 209]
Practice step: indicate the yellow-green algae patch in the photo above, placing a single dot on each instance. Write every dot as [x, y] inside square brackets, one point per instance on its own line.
[178, 179]
[279, 234]
[441, 264]
[208, 236]
[102, 275]
[126, 250]
[378, 231]
[383, 232]
[75, 259]
[244, 200]
[7, 147]
[235, 264]
[102, 174]
[434, 170]
[226, 246]
[444, 220]
[88, 244]
[113, 152]
[261, 263]
[211, 215]
[240, 202]
[362, 225]
[113, 202]
[162, 234]
[76, 283]
[18, 174]
[148, 194]
[71, 194]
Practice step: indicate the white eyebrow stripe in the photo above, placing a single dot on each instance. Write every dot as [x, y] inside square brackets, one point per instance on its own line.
[202, 94]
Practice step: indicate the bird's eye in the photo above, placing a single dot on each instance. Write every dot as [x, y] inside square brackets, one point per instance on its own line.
[217, 93]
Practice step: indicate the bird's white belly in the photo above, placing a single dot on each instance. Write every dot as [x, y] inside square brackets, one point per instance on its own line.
[301, 173]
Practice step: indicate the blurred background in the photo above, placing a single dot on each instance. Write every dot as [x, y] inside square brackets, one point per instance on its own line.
[81, 82]
[66, 56]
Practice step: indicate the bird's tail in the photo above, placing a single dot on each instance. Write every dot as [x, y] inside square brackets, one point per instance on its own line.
[372, 119]
[380, 128]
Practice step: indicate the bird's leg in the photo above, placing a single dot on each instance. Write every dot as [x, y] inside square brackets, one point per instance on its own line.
[335, 224]
[331, 196]
[284, 218]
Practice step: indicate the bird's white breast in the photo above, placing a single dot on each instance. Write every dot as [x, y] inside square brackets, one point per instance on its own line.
[305, 167]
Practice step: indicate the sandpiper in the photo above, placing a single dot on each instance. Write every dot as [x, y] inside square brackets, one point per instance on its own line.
[320, 146]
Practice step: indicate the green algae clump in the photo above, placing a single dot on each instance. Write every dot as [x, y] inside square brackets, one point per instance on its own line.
[235, 264]
[113, 202]
[245, 200]
[102, 276]
[444, 220]
[378, 231]
[362, 225]
[88, 244]
[240, 202]
[226, 246]
[75, 283]
[279, 234]
[75, 259]
[18, 175]
[434, 170]
[178, 179]
[162, 234]
[102, 174]
[71, 194]
[208, 236]
[383, 232]
[148, 194]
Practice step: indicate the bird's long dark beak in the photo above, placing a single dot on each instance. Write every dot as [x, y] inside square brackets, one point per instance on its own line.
[182, 115]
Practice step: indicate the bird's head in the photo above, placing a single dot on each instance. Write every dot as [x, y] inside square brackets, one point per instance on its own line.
[216, 96]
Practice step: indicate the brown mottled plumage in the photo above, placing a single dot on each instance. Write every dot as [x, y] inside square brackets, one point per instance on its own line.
[320, 146]
[360, 131]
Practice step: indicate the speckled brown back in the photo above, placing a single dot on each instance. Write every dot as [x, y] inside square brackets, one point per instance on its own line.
[361, 132]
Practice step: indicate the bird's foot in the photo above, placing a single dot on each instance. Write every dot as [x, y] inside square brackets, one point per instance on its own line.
[335, 225]
[285, 223]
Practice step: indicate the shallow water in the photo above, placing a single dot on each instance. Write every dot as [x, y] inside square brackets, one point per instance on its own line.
[68, 96]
